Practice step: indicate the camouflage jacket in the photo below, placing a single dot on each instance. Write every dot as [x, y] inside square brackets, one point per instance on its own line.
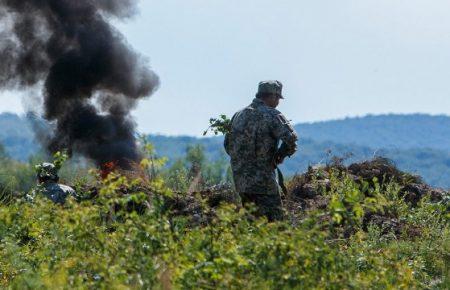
[55, 192]
[253, 143]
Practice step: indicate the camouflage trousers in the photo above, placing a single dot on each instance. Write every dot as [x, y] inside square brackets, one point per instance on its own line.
[268, 205]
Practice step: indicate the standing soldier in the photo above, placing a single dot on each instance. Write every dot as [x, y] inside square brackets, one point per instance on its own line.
[253, 145]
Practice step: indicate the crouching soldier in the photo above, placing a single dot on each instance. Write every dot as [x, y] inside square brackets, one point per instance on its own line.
[47, 177]
[254, 147]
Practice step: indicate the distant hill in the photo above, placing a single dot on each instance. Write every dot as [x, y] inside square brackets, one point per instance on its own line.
[416, 143]
[383, 131]
[17, 136]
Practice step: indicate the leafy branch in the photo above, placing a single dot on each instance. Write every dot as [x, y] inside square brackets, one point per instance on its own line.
[219, 125]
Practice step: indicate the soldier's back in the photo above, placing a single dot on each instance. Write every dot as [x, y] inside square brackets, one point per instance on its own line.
[57, 193]
[251, 141]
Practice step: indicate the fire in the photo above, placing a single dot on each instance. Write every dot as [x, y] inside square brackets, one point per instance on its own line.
[107, 168]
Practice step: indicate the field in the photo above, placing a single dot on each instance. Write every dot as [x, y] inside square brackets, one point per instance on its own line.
[366, 226]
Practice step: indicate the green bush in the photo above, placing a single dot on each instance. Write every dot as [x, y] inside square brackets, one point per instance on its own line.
[102, 244]
[127, 238]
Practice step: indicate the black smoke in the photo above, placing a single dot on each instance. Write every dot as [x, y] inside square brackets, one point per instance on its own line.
[91, 78]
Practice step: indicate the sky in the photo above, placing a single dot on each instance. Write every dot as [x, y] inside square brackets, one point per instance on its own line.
[336, 59]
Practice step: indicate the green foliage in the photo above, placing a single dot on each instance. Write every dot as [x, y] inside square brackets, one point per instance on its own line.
[131, 241]
[195, 172]
[220, 125]
[59, 158]
[151, 162]
[177, 177]
[3, 154]
[15, 177]
[195, 156]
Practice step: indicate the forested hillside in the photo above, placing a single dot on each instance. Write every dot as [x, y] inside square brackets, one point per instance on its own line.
[17, 136]
[416, 143]
[385, 131]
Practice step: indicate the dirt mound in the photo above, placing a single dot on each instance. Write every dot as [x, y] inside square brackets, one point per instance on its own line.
[308, 191]
[382, 170]
[391, 225]
[379, 170]
[192, 205]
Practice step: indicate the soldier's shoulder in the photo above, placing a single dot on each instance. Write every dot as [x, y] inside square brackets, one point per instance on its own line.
[66, 188]
[56, 187]
[241, 111]
[244, 113]
[275, 112]
[270, 112]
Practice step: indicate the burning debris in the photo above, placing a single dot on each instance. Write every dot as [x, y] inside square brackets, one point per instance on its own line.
[107, 168]
[91, 78]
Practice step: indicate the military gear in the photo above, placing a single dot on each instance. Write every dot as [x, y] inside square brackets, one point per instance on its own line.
[281, 181]
[253, 144]
[271, 87]
[47, 171]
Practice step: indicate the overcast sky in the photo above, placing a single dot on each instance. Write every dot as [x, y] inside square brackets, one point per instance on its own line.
[335, 58]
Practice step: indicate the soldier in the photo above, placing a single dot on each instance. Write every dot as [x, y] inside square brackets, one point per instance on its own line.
[253, 145]
[47, 175]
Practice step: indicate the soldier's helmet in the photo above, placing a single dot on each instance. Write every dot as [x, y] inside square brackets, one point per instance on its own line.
[47, 172]
[270, 87]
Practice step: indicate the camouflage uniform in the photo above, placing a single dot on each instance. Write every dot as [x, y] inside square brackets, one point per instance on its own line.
[253, 144]
[47, 173]
[56, 192]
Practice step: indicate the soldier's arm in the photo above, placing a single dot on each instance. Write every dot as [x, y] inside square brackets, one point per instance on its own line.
[226, 142]
[283, 130]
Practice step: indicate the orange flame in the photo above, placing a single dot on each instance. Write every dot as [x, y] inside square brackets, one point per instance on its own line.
[107, 168]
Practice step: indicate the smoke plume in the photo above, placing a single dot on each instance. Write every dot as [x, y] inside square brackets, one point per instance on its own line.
[90, 77]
